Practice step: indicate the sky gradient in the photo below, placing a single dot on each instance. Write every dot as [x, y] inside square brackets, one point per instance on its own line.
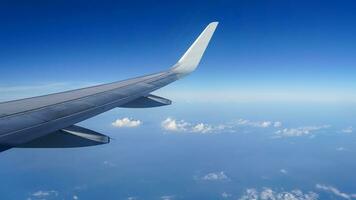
[268, 115]
[271, 50]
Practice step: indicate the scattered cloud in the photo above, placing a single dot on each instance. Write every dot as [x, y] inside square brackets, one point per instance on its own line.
[126, 122]
[49, 194]
[226, 195]
[277, 124]
[132, 198]
[283, 171]
[215, 176]
[347, 130]
[269, 194]
[44, 194]
[202, 128]
[301, 131]
[167, 197]
[260, 124]
[335, 191]
[174, 125]
[171, 124]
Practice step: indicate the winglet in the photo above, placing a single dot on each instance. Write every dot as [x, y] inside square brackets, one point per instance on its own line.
[191, 58]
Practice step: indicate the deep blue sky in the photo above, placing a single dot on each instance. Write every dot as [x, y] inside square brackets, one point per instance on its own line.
[270, 47]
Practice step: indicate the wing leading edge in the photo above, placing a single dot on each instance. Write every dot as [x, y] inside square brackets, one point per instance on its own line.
[28, 122]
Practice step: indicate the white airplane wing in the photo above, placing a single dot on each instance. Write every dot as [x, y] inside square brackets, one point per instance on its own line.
[48, 121]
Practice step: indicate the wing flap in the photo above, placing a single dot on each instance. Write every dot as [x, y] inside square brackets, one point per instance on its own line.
[147, 102]
[73, 136]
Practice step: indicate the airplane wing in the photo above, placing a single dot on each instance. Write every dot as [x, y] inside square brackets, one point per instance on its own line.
[48, 121]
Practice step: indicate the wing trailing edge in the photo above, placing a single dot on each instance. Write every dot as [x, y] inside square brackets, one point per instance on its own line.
[147, 102]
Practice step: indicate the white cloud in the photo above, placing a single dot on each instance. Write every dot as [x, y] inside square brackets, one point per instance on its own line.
[174, 125]
[126, 122]
[43, 194]
[250, 194]
[215, 176]
[202, 128]
[170, 124]
[269, 194]
[75, 197]
[294, 132]
[277, 124]
[335, 191]
[283, 171]
[347, 130]
[260, 124]
[167, 197]
[132, 198]
[225, 195]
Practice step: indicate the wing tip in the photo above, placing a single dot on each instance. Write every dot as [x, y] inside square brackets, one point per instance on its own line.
[191, 58]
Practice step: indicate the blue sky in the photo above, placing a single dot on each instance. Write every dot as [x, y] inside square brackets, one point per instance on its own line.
[269, 114]
[270, 50]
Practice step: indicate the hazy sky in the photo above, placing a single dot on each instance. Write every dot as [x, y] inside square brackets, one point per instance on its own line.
[262, 50]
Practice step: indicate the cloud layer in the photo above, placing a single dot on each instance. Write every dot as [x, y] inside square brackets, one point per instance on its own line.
[269, 194]
[301, 131]
[171, 124]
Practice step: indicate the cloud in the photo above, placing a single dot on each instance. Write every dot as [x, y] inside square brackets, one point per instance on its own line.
[301, 131]
[260, 124]
[44, 194]
[347, 130]
[215, 176]
[75, 197]
[335, 191]
[283, 171]
[269, 194]
[171, 124]
[226, 195]
[167, 197]
[277, 124]
[126, 122]
[202, 128]
[174, 125]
